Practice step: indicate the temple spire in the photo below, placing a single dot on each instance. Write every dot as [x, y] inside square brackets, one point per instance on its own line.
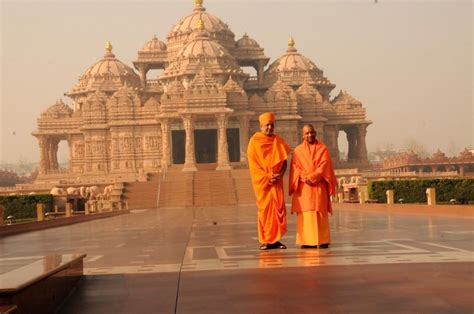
[198, 5]
[291, 42]
[108, 47]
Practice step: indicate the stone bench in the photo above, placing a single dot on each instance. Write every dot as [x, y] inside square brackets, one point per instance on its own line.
[41, 286]
[8, 309]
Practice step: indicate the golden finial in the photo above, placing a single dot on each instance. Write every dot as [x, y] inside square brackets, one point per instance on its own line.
[200, 25]
[198, 3]
[108, 46]
[291, 42]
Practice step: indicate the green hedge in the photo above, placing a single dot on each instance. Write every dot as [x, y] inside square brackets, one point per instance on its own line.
[24, 206]
[414, 191]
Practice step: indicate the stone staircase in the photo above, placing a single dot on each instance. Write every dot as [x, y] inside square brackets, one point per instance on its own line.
[243, 186]
[176, 189]
[213, 188]
[205, 187]
[142, 194]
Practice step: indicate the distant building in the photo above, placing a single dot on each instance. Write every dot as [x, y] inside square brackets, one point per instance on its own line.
[461, 165]
[201, 108]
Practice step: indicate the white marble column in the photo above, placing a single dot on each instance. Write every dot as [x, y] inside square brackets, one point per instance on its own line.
[222, 146]
[189, 159]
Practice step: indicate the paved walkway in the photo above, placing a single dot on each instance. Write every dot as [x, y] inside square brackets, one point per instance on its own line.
[206, 260]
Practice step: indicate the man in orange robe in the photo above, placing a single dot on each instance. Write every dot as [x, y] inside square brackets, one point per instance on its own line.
[312, 181]
[267, 154]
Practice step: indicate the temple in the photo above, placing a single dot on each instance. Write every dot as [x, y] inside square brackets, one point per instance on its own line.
[202, 107]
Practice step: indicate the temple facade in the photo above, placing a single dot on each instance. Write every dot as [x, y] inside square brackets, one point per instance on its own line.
[202, 107]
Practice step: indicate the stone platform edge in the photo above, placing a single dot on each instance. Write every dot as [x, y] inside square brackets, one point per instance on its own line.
[7, 230]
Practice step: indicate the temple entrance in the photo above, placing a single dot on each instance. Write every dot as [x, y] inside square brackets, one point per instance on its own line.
[178, 139]
[233, 143]
[205, 146]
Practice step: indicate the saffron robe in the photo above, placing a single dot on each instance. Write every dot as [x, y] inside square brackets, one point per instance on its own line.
[312, 201]
[266, 156]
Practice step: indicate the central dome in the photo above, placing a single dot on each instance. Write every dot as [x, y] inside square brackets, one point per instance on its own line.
[202, 51]
[217, 29]
[202, 45]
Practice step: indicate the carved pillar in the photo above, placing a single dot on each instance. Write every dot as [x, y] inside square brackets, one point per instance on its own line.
[53, 154]
[222, 147]
[142, 70]
[244, 122]
[330, 136]
[259, 68]
[165, 143]
[189, 159]
[361, 142]
[44, 156]
[352, 144]
[70, 146]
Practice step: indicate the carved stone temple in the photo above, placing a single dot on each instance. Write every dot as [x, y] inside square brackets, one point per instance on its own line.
[202, 106]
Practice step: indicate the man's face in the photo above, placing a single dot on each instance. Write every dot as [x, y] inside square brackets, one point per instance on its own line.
[309, 134]
[267, 128]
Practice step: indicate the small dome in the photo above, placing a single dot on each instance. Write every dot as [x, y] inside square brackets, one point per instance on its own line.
[154, 45]
[247, 43]
[294, 69]
[292, 61]
[109, 65]
[108, 73]
[58, 110]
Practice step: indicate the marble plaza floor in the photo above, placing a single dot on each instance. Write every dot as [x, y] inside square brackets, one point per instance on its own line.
[206, 260]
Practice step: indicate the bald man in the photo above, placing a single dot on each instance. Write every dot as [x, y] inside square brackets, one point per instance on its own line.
[267, 154]
[312, 181]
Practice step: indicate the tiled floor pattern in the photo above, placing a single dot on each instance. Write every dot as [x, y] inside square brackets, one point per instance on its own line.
[225, 238]
[174, 260]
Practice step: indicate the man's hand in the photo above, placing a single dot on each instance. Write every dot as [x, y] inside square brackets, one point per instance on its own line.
[275, 177]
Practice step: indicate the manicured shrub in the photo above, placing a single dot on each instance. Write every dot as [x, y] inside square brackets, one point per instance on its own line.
[414, 191]
[24, 206]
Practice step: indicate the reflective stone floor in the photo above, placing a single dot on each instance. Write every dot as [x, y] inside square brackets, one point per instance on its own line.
[206, 260]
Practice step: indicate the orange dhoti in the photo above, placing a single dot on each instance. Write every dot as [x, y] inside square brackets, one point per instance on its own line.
[267, 155]
[312, 228]
[311, 200]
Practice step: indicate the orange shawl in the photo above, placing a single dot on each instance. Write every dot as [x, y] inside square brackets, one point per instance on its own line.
[311, 161]
[266, 155]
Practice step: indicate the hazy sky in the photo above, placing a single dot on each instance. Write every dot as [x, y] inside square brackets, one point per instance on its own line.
[409, 62]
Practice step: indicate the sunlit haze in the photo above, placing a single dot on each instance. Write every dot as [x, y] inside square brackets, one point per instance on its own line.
[409, 62]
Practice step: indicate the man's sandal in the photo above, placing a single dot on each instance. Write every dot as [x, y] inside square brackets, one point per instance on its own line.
[264, 247]
[279, 245]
